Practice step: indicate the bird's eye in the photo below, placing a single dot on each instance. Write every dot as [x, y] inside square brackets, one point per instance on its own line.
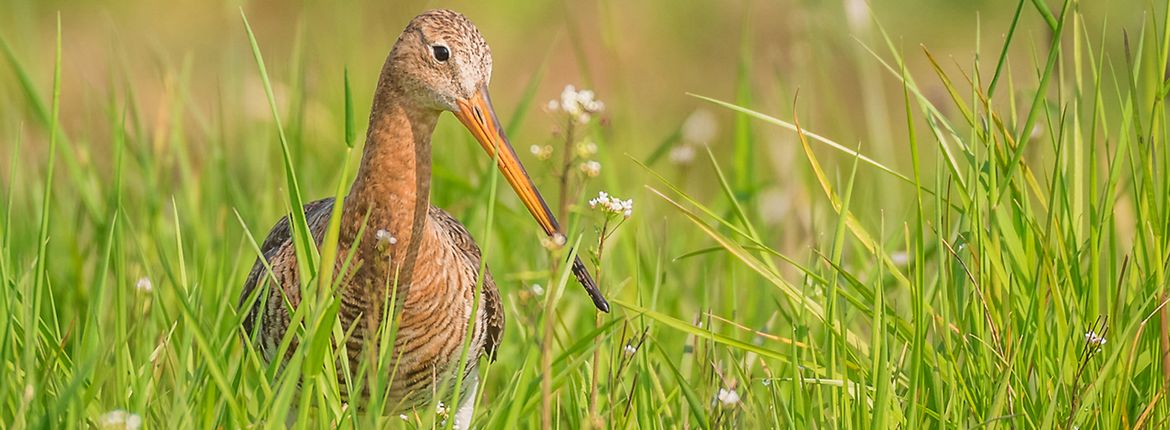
[441, 52]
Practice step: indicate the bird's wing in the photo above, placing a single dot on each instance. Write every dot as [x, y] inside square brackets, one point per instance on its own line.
[317, 214]
[493, 308]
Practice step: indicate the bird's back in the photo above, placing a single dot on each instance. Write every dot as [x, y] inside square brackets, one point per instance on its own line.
[434, 312]
[277, 250]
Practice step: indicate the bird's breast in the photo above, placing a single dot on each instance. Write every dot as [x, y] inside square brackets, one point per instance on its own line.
[432, 320]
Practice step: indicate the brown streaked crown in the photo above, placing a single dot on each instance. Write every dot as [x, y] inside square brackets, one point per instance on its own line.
[413, 70]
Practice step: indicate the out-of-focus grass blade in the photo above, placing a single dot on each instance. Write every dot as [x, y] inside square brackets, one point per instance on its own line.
[1046, 13]
[1038, 102]
[749, 260]
[350, 122]
[73, 167]
[879, 368]
[26, 84]
[701, 333]
[744, 143]
[40, 285]
[329, 243]
[1007, 42]
[950, 87]
[197, 328]
[934, 118]
[526, 98]
[852, 222]
[307, 256]
[6, 233]
[698, 410]
[664, 146]
[819, 138]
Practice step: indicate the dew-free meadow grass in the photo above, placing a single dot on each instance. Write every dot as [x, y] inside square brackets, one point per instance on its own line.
[851, 230]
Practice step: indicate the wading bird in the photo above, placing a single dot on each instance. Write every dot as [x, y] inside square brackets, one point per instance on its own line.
[439, 63]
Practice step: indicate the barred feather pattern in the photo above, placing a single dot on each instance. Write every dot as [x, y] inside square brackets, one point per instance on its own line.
[434, 308]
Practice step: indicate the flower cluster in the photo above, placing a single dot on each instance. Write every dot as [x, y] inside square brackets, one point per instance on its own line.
[542, 152]
[700, 128]
[590, 168]
[682, 154]
[1094, 339]
[383, 240]
[579, 105]
[727, 397]
[612, 205]
[554, 242]
[144, 285]
[119, 420]
[586, 149]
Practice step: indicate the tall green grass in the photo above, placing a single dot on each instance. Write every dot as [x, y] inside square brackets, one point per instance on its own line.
[951, 283]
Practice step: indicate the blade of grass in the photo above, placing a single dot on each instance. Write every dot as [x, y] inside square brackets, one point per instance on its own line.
[306, 251]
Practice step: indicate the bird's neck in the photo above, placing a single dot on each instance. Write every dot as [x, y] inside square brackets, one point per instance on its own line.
[392, 189]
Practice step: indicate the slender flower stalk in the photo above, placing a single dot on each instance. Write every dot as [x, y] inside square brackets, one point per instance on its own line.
[611, 208]
[577, 109]
[1094, 340]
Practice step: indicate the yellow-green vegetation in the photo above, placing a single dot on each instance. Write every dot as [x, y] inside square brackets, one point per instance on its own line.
[845, 215]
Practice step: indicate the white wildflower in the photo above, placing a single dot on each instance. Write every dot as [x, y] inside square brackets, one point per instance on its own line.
[144, 285]
[1037, 132]
[900, 258]
[612, 205]
[630, 349]
[119, 420]
[727, 397]
[579, 105]
[586, 149]
[385, 236]
[700, 127]
[682, 154]
[1094, 339]
[383, 240]
[591, 168]
[441, 409]
[537, 289]
[553, 106]
[857, 14]
[542, 152]
[404, 417]
[554, 242]
[776, 206]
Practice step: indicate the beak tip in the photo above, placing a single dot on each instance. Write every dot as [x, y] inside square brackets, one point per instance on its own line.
[601, 304]
[590, 286]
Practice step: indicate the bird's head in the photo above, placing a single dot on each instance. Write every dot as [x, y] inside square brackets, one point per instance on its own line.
[440, 60]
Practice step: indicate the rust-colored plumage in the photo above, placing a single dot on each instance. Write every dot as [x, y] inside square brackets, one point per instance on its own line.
[439, 63]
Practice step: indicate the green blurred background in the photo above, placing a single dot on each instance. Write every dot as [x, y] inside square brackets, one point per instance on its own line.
[191, 60]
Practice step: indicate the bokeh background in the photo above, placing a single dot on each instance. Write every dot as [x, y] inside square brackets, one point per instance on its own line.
[641, 57]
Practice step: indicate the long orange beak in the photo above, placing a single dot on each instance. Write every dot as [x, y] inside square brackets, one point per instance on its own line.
[478, 115]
